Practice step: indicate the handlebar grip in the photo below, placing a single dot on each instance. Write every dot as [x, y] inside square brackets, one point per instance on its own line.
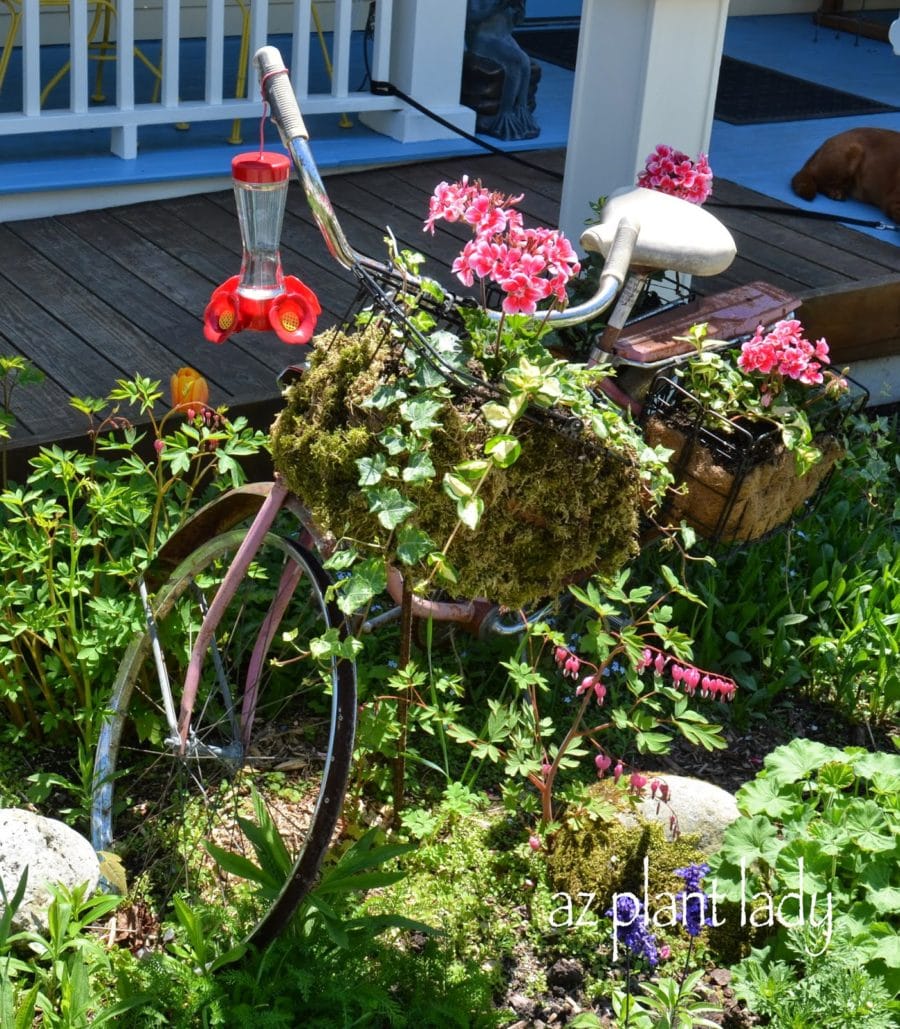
[618, 259]
[279, 93]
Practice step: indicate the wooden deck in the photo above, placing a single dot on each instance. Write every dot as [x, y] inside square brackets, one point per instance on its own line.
[94, 297]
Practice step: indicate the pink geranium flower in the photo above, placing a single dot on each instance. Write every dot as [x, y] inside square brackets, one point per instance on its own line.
[784, 353]
[523, 293]
[529, 265]
[670, 171]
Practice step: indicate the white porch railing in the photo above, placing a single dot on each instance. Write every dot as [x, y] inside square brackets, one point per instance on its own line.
[123, 113]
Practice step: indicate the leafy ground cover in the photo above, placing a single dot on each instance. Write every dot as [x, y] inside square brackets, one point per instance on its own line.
[448, 912]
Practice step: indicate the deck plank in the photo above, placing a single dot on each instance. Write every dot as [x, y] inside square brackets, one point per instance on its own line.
[160, 325]
[94, 296]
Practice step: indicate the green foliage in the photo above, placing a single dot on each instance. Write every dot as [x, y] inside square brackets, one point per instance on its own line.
[68, 964]
[465, 878]
[377, 982]
[817, 847]
[375, 428]
[665, 1004]
[817, 607]
[75, 536]
[334, 939]
[828, 990]
[618, 703]
[15, 371]
[357, 870]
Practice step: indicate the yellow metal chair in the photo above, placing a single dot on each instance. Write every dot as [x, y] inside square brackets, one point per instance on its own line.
[15, 16]
[101, 47]
[240, 86]
[244, 60]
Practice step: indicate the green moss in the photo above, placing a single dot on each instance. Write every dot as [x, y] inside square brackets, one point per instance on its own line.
[606, 858]
[459, 884]
[314, 444]
[564, 506]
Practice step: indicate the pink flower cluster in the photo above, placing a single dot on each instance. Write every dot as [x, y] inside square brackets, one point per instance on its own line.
[529, 265]
[784, 351]
[571, 667]
[687, 677]
[670, 171]
[636, 781]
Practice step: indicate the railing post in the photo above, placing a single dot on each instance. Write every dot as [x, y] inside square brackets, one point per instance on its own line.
[646, 73]
[124, 137]
[427, 42]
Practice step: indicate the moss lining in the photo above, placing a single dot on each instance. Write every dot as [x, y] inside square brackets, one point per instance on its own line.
[564, 506]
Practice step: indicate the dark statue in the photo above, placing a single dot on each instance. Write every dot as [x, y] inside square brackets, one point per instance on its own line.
[499, 78]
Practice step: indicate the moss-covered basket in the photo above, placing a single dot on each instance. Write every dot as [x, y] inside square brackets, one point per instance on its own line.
[564, 506]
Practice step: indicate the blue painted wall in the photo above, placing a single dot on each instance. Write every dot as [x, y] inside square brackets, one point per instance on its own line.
[552, 8]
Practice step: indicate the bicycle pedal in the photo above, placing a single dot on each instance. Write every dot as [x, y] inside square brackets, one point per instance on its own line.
[292, 374]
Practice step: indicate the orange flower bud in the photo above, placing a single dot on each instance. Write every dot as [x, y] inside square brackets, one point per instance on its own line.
[188, 387]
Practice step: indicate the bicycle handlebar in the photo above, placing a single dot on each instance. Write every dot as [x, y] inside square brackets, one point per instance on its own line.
[279, 94]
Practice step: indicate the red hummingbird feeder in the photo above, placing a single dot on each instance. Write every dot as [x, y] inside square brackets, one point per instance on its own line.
[261, 297]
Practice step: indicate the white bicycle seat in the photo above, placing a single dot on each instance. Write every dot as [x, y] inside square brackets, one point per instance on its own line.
[675, 235]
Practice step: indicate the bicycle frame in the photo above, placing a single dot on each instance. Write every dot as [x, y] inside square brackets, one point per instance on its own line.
[621, 240]
[239, 567]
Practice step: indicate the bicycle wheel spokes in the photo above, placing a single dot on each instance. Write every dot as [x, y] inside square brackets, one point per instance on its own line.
[260, 768]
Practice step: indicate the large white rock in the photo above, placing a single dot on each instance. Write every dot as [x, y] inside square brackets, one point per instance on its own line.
[53, 853]
[699, 807]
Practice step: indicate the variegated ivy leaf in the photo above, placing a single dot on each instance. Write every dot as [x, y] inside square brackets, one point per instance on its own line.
[456, 487]
[420, 468]
[391, 506]
[504, 450]
[393, 440]
[371, 469]
[413, 545]
[443, 568]
[470, 510]
[496, 415]
[471, 470]
[420, 413]
[385, 395]
[367, 580]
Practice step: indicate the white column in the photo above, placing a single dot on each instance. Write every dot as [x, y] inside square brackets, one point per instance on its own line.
[646, 73]
[427, 41]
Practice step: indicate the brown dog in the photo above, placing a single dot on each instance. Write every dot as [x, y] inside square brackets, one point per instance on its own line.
[860, 163]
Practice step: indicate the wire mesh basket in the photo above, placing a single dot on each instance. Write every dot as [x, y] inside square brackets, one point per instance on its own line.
[569, 500]
[408, 315]
[735, 481]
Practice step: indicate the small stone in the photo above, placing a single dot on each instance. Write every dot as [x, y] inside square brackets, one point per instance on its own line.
[720, 976]
[522, 1005]
[700, 809]
[53, 854]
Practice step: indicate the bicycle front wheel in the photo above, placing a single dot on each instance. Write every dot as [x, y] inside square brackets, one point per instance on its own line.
[234, 813]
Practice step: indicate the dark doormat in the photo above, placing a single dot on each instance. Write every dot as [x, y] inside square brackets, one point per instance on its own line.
[555, 46]
[749, 94]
